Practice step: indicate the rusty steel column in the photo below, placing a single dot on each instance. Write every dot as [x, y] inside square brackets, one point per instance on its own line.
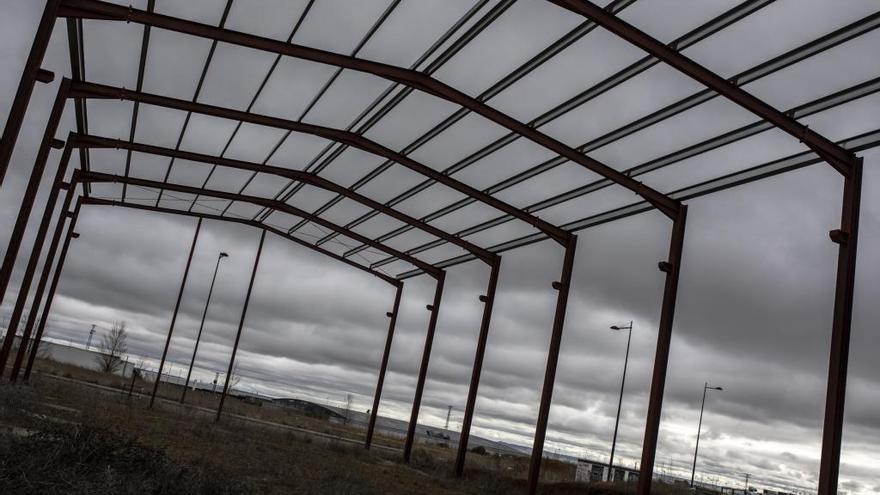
[27, 204]
[488, 300]
[847, 240]
[47, 268]
[563, 287]
[423, 369]
[383, 365]
[47, 307]
[247, 299]
[27, 279]
[189, 259]
[192, 361]
[31, 74]
[672, 268]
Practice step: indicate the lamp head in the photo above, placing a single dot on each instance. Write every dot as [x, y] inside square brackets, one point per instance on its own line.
[223, 255]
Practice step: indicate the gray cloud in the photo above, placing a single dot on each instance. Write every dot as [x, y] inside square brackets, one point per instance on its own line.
[756, 292]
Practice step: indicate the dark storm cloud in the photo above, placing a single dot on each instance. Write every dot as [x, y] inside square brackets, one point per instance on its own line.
[757, 282]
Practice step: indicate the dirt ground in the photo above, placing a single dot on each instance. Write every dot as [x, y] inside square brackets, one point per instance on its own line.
[63, 436]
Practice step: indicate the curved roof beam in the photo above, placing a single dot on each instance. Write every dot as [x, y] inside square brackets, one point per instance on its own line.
[95, 9]
[82, 89]
[88, 141]
[91, 200]
[92, 177]
[836, 156]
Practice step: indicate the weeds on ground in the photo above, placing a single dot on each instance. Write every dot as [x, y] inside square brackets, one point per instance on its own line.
[86, 460]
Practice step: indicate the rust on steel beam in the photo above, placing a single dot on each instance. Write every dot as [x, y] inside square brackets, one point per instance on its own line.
[434, 308]
[93, 90]
[27, 204]
[243, 221]
[672, 268]
[383, 366]
[31, 268]
[91, 177]
[846, 238]
[47, 267]
[836, 156]
[562, 287]
[87, 141]
[488, 301]
[247, 300]
[59, 267]
[29, 77]
[408, 77]
[192, 250]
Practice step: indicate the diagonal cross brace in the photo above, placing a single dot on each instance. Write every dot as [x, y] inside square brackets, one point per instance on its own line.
[80, 89]
[89, 141]
[91, 200]
[92, 177]
[94, 9]
[839, 158]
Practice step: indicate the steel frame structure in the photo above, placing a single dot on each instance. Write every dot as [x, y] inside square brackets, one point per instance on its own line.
[83, 200]
[839, 156]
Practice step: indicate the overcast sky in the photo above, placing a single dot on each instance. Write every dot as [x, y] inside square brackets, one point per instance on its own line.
[757, 280]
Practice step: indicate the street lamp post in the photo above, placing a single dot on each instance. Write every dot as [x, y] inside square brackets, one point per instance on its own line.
[706, 387]
[201, 326]
[620, 399]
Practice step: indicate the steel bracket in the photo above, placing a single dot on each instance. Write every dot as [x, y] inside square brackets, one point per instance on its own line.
[44, 76]
[839, 236]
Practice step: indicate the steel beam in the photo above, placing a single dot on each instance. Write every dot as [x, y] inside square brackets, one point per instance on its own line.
[94, 9]
[192, 249]
[672, 268]
[488, 301]
[29, 77]
[247, 300]
[797, 161]
[47, 267]
[836, 156]
[383, 365]
[562, 287]
[847, 240]
[100, 91]
[59, 267]
[434, 308]
[192, 361]
[804, 110]
[30, 270]
[87, 141]
[729, 17]
[27, 204]
[90, 177]
[242, 221]
[320, 162]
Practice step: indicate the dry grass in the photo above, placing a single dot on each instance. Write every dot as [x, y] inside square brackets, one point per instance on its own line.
[88, 438]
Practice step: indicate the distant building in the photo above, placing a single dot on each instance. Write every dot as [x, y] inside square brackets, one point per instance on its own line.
[76, 356]
[589, 471]
[309, 408]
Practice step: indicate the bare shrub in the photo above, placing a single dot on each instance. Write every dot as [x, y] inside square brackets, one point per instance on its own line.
[113, 346]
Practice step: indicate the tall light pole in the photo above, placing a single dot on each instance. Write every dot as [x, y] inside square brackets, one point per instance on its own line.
[620, 399]
[706, 387]
[201, 326]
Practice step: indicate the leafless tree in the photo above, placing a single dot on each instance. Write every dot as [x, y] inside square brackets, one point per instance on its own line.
[113, 346]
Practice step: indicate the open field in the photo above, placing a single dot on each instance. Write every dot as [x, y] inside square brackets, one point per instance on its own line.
[66, 436]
